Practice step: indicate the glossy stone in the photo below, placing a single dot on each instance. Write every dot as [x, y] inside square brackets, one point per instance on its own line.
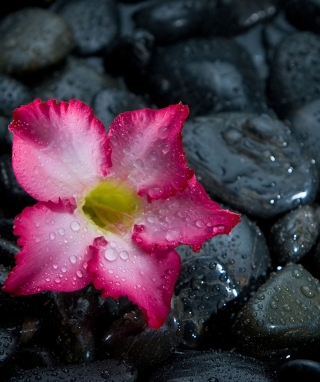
[251, 162]
[209, 75]
[8, 345]
[8, 242]
[304, 14]
[94, 23]
[211, 366]
[293, 235]
[33, 39]
[294, 72]
[299, 369]
[282, 317]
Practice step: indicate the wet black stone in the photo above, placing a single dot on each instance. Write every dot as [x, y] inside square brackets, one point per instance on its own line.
[305, 124]
[13, 94]
[14, 198]
[8, 345]
[32, 39]
[75, 80]
[209, 75]
[205, 287]
[100, 371]
[144, 347]
[8, 242]
[304, 14]
[282, 317]
[250, 162]
[294, 73]
[293, 235]
[300, 369]
[94, 23]
[211, 366]
[5, 135]
[244, 253]
[109, 103]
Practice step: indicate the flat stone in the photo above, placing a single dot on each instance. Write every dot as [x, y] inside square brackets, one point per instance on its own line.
[33, 39]
[251, 162]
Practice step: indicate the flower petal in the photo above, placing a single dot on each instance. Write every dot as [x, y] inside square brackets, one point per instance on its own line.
[55, 244]
[65, 146]
[147, 149]
[189, 217]
[120, 267]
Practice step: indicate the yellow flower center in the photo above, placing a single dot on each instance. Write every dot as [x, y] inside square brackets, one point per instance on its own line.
[112, 206]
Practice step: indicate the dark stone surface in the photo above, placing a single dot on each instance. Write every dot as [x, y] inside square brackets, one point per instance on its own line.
[294, 72]
[304, 14]
[282, 317]
[251, 162]
[209, 75]
[8, 345]
[211, 366]
[300, 369]
[293, 235]
[33, 39]
[94, 23]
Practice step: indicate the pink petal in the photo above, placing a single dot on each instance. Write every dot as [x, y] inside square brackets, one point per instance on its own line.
[120, 267]
[189, 217]
[55, 244]
[65, 146]
[147, 149]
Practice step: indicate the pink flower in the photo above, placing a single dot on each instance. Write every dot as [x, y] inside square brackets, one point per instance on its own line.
[111, 208]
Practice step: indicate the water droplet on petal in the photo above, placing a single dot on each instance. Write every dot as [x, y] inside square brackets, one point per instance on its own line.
[151, 219]
[73, 259]
[52, 235]
[55, 265]
[36, 170]
[124, 255]
[199, 223]
[57, 280]
[61, 231]
[172, 235]
[165, 149]
[64, 269]
[75, 226]
[153, 155]
[110, 254]
[163, 132]
[79, 274]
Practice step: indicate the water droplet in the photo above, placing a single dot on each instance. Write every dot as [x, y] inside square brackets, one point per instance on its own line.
[64, 269]
[218, 229]
[73, 259]
[61, 231]
[151, 219]
[273, 304]
[296, 273]
[75, 226]
[126, 150]
[286, 307]
[307, 291]
[153, 155]
[36, 170]
[163, 132]
[52, 235]
[172, 235]
[110, 254]
[165, 149]
[124, 255]
[57, 280]
[199, 223]
[55, 265]
[79, 274]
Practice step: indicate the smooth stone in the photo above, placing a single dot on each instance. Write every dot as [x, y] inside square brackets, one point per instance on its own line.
[209, 75]
[130, 339]
[75, 80]
[95, 23]
[305, 125]
[294, 72]
[109, 103]
[294, 234]
[211, 366]
[8, 242]
[33, 39]
[304, 14]
[244, 253]
[251, 162]
[299, 369]
[205, 287]
[16, 198]
[13, 94]
[5, 135]
[8, 345]
[282, 317]
[99, 371]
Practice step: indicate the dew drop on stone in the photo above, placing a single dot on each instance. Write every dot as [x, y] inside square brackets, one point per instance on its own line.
[79, 274]
[307, 291]
[75, 226]
[151, 219]
[163, 132]
[172, 235]
[124, 255]
[57, 280]
[110, 254]
[61, 231]
[73, 259]
[52, 235]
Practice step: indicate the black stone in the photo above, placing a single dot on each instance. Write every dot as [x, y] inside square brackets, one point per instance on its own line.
[251, 162]
[109, 103]
[282, 317]
[205, 287]
[94, 23]
[293, 235]
[209, 75]
[304, 14]
[294, 73]
[300, 369]
[211, 366]
[13, 94]
[8, 345]
[100, 371]
[75, 80]
[8, 242]
[33, 39]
